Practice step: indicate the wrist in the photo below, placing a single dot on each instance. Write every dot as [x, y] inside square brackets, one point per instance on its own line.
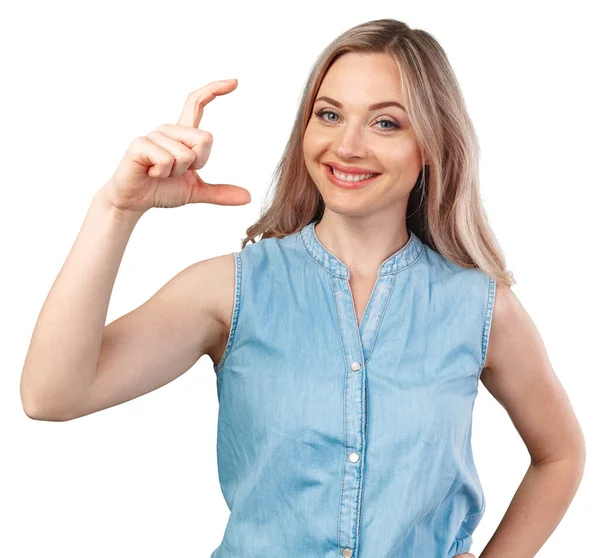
[124, 216]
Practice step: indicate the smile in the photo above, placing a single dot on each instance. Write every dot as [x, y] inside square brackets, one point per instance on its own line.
[349, 181]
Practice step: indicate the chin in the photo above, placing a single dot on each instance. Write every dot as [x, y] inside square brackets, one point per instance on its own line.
[345, 206]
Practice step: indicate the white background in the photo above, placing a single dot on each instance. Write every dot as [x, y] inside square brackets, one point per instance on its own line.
[82, 80]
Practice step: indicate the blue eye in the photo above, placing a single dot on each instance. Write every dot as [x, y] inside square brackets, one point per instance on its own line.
[321, 114]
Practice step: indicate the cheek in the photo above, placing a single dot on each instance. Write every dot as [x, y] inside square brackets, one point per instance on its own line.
[405, 156]
[311, 139]
[317, 136]
[310, 153]
[308, 147]
[313, 149]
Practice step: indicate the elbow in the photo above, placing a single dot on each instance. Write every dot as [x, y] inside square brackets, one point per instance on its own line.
[37, 411]
[33, 403]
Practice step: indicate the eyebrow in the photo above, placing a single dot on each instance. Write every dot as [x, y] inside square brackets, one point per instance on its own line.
[374, 106]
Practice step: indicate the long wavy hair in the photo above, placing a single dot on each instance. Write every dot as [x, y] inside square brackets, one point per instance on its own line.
[445, 209]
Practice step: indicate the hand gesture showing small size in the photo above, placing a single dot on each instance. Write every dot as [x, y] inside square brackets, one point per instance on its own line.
[159, 170]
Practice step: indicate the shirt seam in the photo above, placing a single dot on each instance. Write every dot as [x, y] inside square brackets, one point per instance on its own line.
[235, 312]
[491, 296]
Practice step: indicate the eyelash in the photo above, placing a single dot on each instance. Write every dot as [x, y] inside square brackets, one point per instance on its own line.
[322, 112]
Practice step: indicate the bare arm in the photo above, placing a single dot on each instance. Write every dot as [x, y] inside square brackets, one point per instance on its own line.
[164, 337]
[76, 366]
[61, 361]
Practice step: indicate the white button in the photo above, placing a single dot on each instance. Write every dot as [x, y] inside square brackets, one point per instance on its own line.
[355, 366]
[353, 457]
[347, 552]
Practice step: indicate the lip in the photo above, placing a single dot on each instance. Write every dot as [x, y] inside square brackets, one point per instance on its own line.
[347, 185]
[350, 170]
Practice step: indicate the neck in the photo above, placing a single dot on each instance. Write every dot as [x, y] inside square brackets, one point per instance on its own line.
[361, 244]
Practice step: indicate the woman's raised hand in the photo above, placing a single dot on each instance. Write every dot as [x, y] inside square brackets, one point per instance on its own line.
[158, 170]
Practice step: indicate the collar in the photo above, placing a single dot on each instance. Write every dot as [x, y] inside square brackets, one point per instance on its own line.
[395, 263]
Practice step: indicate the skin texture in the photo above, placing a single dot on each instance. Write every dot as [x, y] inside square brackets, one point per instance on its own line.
[363, 227]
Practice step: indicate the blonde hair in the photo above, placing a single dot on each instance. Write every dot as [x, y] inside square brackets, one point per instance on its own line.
[445, 209]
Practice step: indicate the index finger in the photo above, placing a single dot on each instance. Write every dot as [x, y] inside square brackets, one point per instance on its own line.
[197, 100]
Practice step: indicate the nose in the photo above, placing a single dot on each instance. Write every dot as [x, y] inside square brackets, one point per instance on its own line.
[350, 143]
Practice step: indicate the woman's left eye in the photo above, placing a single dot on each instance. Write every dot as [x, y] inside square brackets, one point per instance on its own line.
[321, 114]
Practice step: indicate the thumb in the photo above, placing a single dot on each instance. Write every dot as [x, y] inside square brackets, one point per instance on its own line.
[220, 194]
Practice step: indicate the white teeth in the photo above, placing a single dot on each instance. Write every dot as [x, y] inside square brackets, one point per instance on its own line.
[351, 177]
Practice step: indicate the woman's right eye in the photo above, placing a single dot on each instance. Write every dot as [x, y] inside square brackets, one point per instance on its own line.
[322, 113]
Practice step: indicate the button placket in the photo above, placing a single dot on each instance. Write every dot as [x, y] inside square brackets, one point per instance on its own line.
[357, 340]
[354, 418]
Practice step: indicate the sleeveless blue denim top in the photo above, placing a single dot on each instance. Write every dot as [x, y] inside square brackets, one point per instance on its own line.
[340, 439]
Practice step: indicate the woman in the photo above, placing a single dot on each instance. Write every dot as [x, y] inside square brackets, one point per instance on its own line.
[349, 341]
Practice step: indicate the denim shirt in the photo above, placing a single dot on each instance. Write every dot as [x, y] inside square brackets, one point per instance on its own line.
[340, 439]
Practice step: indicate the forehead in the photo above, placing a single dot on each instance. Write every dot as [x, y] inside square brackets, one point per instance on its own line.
[362, 79]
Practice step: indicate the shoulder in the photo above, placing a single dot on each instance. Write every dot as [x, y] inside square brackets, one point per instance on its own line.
[463, 282]
[258, 262]
[218, 278]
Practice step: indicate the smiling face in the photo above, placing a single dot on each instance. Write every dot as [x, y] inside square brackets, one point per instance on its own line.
[345, 129]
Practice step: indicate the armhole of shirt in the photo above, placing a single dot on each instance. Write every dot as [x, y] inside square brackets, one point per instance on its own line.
[489, 309]
[236, 311]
